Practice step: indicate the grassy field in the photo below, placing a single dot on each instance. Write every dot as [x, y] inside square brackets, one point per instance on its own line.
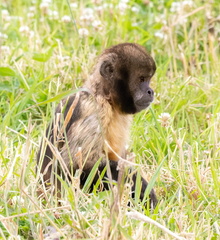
[47, 49]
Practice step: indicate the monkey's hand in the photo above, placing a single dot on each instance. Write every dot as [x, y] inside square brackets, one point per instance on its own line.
[144, 184]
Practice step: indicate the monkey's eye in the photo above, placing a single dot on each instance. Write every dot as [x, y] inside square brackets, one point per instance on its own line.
[142, 78]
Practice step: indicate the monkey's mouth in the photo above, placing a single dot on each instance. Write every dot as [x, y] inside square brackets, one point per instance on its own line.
[144, 104]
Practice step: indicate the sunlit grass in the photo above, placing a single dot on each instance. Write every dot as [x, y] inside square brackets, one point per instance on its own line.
[47, 49]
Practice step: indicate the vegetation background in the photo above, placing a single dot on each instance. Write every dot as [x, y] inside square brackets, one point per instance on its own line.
[47, 49]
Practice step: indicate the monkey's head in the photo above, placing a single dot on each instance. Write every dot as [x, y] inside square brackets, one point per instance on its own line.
[126, 70]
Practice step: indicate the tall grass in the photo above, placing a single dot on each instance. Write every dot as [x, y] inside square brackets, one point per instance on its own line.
[47, 49]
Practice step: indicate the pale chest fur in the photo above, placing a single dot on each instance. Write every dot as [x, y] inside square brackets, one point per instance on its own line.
[117, 135]
[117, 129]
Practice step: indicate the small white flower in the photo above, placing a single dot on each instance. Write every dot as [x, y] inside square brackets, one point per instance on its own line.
[206, 152]
[30, 15]
[5, 49]
[135, 9]
[122, 6]
[159, 34]
[182, 20]
[99, 8]
[164, 119]
[31, 34]
[161, 19]
[175, 7]
[63, 61]
[24, 29]
[44, 7]
[5, 15]
[181, 6]
[88, 11]
[187, 4]
[83, 32]
[87, 15]
[134, 24]
[66, 19]
[74, 5]
[53, 15]
[97, 24]
[3, 36]
[86, 18]
[63, 58]
[17, 200]
[32, 9]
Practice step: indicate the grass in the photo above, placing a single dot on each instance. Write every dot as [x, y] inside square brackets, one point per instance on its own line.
[44, 56]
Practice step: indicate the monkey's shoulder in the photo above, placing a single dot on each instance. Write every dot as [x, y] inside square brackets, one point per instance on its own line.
[80, 107]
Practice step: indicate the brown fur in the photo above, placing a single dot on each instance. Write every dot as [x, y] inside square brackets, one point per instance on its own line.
[95, 122]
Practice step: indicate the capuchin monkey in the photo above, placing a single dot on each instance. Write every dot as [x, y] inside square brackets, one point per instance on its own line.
[93, 124]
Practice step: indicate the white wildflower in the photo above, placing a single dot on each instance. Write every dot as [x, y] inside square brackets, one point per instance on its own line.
[88, 11]
[206, 152]
[17, 200]
[63, 61]
[24, 29]
[30, 15]
[66, 19]
[3, 36]
[31, 34]
[44, 7]
[135, 9]
[53, 15]
[97, 24]
[74, 5]
[164, 119]
[159, 34]
[134, 24]
[161, 19]
[187, 4]
[5, 49]
[209, 116]
[5, 15]
[87, 15]
[83, 32]
[162, 33]
[183, 6]
[175, 7]
[122, 6]
[32, 9]
[99, 8]
[5, 12]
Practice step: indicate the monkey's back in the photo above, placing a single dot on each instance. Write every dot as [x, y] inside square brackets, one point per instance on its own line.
[84, 137]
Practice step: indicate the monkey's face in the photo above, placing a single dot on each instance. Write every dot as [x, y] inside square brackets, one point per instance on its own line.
[139, 84]
[128, 72]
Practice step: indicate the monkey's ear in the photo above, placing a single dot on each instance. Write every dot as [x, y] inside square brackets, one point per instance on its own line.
[106, 69]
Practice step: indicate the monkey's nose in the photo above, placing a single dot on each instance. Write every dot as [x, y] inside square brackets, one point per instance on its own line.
[150, 92]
